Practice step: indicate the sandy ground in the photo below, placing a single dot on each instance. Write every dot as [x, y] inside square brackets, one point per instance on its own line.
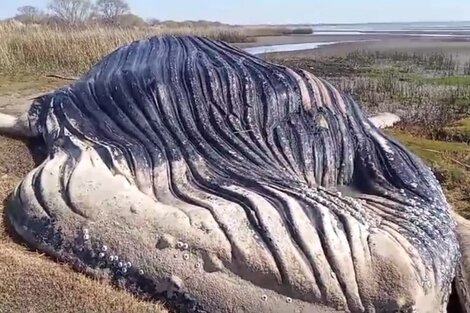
[295, 39]
[30, 281]
[456, 47]
[459, 47]
[379, 39]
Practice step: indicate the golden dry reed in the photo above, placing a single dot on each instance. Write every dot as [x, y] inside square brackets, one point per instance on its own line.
[45, 49]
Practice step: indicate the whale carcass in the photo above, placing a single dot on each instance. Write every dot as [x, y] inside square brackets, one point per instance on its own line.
[185, 169]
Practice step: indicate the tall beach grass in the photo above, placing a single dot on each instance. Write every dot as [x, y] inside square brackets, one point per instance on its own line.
[40, 49]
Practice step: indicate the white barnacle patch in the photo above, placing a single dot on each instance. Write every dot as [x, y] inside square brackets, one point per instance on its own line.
[101, 255]
[289, 300]
[129, 264]
[186, 256]
[120, 264]
[111, 258]
[124, 270]
[185, 246]
[264, 297]
[104, 248]
[179, 244]
[141, 272]
[85, 234]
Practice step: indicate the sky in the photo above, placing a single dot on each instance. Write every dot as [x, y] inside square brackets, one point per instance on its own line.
[287, 11]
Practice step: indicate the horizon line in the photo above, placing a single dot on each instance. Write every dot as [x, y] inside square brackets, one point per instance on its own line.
[352, 23]
[296, 23]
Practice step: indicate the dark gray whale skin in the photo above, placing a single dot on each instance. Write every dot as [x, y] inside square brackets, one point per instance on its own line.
[281, 135]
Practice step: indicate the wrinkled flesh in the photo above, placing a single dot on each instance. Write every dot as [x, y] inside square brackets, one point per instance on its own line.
[285, 196]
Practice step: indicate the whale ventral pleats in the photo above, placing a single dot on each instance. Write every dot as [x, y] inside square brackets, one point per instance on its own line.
[221, 182]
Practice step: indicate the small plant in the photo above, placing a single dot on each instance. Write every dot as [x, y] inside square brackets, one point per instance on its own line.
[466, 68]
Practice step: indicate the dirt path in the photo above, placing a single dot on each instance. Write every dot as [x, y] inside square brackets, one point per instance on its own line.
[32, 282]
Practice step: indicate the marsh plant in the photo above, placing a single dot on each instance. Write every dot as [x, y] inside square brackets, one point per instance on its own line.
[433, 61]
[66, 49]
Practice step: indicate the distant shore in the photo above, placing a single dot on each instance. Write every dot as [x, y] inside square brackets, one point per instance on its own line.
[348, 43]
[296, 39]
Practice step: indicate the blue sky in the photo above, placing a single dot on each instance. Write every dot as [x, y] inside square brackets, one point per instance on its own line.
[287, 11]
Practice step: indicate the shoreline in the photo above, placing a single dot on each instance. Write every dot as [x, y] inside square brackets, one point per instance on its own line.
[344, 44]
[298, 39]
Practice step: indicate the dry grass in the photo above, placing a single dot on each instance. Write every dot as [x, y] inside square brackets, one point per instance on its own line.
[41, 49]
[35, 49]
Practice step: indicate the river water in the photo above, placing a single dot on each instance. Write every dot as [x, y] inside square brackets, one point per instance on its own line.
[290, 47]
[460, 30]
